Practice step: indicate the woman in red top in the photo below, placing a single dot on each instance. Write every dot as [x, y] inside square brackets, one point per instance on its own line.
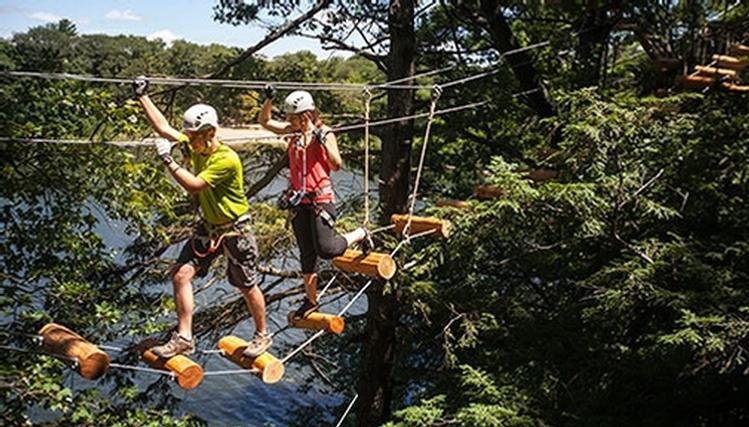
[312, 155]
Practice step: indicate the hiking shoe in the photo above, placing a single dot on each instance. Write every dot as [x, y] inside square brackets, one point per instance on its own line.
[177, 344]
[305, 310]
[258, 345]
[366, 244]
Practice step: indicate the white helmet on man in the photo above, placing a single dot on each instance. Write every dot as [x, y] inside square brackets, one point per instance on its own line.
[298, 101]
[199, 116]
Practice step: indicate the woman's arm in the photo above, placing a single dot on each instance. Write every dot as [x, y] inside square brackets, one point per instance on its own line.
[266, 120]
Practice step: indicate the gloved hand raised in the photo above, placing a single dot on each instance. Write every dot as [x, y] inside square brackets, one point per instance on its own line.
[140, 86]
[269, 91]
[164, 150]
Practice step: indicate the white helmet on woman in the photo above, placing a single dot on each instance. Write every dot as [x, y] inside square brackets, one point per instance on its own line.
[199, 116]
[298, 101]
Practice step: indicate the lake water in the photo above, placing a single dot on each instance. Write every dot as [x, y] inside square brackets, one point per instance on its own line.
[242, 399]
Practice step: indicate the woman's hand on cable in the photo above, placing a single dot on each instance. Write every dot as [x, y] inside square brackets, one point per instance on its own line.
[140, 86]
[269, 91]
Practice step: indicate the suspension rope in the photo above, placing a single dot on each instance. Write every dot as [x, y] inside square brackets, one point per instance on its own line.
[436, 92]
[345, 413]
[367, 102]
[141, 369]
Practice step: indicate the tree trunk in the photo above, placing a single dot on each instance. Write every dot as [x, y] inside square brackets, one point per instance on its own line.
[593, 36]
[397, 138]
[521, 63]
[378, 356]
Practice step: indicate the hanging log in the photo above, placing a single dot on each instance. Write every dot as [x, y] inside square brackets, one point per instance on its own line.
[374, 264]
[542, 175]
[715, 71]
[420, 224]
[736, 88]
[694, 82]
[188, 373]
[318, 321]
[460, 204]
[725, 61]
[739, 50]
[488, 192]
[269, 369]
[58, 340]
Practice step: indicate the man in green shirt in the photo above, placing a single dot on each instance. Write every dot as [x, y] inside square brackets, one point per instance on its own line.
[217, 183]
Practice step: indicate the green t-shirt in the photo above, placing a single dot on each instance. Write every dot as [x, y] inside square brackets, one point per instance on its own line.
[223, 200]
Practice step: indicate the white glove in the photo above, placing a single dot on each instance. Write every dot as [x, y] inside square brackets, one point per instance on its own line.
[164, 149]
[140, 86]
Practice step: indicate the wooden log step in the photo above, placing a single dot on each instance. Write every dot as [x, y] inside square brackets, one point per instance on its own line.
[270, 369]
[739, 50]
[421, 224]
[736, 88]
[542, 175]
[725, 61]
[374, 264]
[317, 321]
[694, 82]
[715, 71]
[488, 192]
[460, 204]
[61, 341]
[187, 373]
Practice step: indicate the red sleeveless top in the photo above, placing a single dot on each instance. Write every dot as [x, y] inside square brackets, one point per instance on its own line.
[310, 171]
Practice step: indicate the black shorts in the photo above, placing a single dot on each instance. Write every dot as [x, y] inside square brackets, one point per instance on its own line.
[240, 250]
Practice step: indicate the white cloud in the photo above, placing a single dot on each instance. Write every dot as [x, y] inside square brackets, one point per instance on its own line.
[167, 36]
[122, 15]
[45, 17]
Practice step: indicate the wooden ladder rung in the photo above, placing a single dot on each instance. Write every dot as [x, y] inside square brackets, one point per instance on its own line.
[61, 341]
[374, 264]
[460, 204]
[269, 369]
[317, 321]
[725, 61]
[715, 71]
[187, 373]
[488, 192]
[421, 224]
[740, 50]
[695, 82]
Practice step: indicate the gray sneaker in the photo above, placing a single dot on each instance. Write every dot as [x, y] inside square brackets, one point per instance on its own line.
[258, 345]
[176, 345]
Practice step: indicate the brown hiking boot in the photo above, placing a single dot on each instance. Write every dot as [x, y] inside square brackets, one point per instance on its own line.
[258, 345]
[305, 310]
[176, 345]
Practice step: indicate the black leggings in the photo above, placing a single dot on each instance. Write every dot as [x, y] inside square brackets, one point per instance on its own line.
[315, 234]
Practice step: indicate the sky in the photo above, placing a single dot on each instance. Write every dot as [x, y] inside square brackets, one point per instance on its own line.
[191, 20]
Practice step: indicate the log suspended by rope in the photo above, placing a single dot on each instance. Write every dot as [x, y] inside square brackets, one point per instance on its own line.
[488, 192]
[374, 264]
[453, 203]
[421, 224]
[91, 361]
[739, 50]
[715, 71]
[187, 373]
[541, 175]
[318, 321]
[268, 368]
[694, 82]
[701, 82]
[726, 61]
